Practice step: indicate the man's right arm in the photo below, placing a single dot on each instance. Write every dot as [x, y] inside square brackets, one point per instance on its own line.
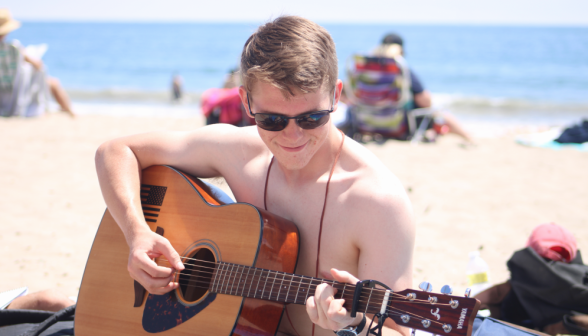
[119, 163]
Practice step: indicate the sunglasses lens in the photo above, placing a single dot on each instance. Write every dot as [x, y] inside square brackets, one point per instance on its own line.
[270, 122]
[312, 121]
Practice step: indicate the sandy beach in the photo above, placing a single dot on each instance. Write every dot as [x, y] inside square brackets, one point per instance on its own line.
[487, 197]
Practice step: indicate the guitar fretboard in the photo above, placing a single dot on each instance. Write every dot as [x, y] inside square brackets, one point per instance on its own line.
[284, 287]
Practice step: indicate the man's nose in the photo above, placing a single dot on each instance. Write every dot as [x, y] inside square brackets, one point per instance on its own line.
[292, 130]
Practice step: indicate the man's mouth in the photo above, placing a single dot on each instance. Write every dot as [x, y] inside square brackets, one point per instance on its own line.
[293, 149]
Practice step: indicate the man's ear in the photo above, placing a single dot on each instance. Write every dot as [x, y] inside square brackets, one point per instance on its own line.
[243, 96]
[338, 90]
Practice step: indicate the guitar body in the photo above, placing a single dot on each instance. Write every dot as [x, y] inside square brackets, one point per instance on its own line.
[194, 220]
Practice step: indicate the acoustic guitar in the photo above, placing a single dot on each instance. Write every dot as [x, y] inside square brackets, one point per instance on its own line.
[239, 261]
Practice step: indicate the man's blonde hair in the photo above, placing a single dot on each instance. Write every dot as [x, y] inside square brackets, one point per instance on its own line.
[290, 53]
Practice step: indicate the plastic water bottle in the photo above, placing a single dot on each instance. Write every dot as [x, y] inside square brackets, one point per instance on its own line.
[477, 273]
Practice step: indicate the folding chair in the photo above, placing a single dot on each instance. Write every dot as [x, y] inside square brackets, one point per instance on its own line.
[23, 90]
[379, 90]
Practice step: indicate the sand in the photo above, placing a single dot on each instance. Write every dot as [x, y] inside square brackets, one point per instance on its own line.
[487, 197]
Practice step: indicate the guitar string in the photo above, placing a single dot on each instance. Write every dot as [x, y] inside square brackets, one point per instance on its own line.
[382, 291]
[275, 278]
[286, 298]
[226, 273]
[379, 292]
[392, 311]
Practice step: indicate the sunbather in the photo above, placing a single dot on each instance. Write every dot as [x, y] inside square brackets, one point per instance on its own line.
[33, 104]
[392, 45]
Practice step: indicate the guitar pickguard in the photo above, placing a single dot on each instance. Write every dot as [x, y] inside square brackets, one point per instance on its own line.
[163, 312]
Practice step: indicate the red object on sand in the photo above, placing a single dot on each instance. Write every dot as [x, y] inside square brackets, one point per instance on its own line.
[553, 242]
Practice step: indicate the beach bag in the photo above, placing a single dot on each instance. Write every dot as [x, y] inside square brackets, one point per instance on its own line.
[575, 134]
[24, 322]
[545, 291]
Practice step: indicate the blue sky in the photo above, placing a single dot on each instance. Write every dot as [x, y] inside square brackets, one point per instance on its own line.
[501, 12]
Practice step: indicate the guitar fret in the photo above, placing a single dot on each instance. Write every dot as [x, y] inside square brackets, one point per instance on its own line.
[221, 278]
[265, 284]
[216, 270]
[308, 290]
[251, 284]
[224, 277]
[368, 301]
[298, 290]
[258, 280]
[225, 268]
[227, 278]
[343, 291]
[246, 280]
[289, 286]
[279, 290]
[272, 288]
[235, 278]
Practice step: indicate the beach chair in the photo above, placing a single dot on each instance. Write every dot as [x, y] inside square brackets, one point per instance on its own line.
[381, 101]
[10, 62]
[23, 89]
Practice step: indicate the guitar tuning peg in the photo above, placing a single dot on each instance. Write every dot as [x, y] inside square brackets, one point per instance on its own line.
[426, 286]
[447, 290]
[468, 292]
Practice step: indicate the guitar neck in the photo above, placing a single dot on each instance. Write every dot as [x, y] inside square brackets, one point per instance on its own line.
[284, 287]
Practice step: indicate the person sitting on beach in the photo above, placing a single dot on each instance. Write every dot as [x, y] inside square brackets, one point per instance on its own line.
[294, 163]
[392, 45]
[32, 83]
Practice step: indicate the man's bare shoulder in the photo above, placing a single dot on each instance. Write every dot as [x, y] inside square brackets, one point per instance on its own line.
[369, 180]
[376, 215]
[372, 196]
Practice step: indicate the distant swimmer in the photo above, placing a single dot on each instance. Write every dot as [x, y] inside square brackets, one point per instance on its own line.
[177, 90]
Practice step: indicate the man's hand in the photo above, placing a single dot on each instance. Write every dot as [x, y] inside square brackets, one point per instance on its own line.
[326, 311]
[144, 247]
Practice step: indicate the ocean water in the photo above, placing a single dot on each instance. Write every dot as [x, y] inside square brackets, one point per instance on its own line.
[539, 71]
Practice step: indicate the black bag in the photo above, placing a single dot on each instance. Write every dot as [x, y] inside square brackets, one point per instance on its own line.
[24, 322]
[544, 291]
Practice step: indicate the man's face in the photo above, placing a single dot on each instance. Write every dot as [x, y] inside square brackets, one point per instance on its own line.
[293, 147]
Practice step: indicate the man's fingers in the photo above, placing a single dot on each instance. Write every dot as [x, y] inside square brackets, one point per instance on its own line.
[336, 313]
[311, 309]
[150, 267]
[170, 253]
[343, 276]
[156, 286]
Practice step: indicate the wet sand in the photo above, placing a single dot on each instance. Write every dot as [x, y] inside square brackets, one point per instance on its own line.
[486, 197]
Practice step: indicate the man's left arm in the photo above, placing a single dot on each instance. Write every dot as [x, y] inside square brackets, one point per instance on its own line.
[385, 236]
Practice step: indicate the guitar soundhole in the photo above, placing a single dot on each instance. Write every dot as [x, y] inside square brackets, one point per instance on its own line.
[195, 279]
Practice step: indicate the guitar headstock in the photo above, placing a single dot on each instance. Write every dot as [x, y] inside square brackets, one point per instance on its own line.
[436, 313]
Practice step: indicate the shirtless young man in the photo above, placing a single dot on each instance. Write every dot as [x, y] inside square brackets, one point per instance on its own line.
[289, 68]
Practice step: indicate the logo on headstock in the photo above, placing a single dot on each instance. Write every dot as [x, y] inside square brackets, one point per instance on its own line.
[436, 313]
[462, 317]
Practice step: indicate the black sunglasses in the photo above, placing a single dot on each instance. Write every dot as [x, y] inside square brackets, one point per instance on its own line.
[276, 122]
